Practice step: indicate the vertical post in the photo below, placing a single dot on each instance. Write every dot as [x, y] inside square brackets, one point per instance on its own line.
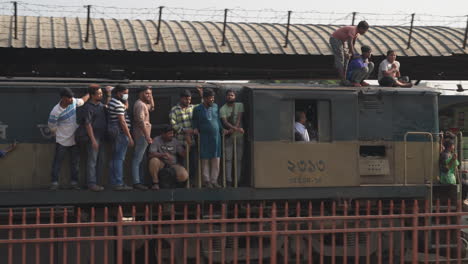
[224, 26]
[273, 233]
[159, 25]
[187, 162]
[464, 40]
[411, 31]
[287, 29]
[15, 14]
[353, 19]
[234, 158]
[119, 235]
[88, 22]
[415, 232]
[223, 147]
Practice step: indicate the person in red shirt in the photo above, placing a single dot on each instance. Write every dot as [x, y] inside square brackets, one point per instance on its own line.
[346, 34]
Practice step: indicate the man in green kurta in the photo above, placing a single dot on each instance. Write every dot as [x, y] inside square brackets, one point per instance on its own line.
[206, 122]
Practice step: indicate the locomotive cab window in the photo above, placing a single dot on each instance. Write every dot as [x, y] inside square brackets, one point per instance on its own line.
[312, 121]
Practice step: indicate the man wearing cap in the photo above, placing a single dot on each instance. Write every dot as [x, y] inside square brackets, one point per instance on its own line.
[62, 122]
[360, 68]
[163, 153]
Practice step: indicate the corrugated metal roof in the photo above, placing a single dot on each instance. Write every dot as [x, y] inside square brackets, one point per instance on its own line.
[205, 37]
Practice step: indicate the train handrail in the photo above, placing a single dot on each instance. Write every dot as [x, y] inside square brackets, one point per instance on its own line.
[457, 172]
[405, 154]
[431, 180]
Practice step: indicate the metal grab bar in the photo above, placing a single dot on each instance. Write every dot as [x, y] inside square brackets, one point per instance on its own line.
[405, 154]
[223, 147]
[224, 167]
[457, 171]
[187, 163]
[199, 163]
[234, 160]
[431, 183]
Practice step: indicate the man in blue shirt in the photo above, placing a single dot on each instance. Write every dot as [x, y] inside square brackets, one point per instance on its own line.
[360, 68]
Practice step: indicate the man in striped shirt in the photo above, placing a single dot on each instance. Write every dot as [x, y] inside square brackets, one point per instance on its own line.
[119, 128]
[62, 122]
[181, 121]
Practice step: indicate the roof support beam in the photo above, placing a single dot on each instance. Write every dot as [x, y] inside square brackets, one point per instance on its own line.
[224, 27]
[15, 14]
[353, 19]
[159, 25]
[466, 33]
[410, 31]
[88, 22]
[286, 39]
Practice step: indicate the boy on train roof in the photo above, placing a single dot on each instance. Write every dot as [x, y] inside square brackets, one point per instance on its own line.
[360, 68]
[346, 34]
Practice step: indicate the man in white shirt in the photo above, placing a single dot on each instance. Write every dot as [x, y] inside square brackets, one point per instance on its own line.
[62, 122]
[389, 72]
[300, 131]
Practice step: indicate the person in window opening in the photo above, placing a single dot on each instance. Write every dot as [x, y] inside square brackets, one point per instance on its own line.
[163, 153]
[346, 34]
[231, 116]
[207, 123]
[91, 133]
[62, 122]
[389, 72]
[181, 121]
[448, 163]
[119, 130]
[9, 149]
[142, 134]
[360, 67]
[300, 131]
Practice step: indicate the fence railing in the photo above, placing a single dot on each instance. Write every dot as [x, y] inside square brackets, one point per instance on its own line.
[383, 231]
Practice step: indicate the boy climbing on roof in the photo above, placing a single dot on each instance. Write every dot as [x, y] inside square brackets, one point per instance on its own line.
[346, 34]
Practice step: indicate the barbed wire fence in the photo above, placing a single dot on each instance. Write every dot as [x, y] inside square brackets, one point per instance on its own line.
[233, 15]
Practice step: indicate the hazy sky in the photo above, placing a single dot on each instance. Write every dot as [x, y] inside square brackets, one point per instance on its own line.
[436, 7]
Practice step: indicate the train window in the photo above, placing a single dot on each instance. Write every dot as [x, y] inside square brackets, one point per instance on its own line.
[312, 121]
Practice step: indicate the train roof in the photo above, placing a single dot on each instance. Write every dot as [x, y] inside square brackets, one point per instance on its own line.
[83, 82]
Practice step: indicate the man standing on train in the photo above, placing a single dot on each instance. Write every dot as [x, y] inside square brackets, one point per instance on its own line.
[181, 121]
[92, 132]
[62, 122]
[141, 134]
[207, 123]
[231, 115]
[343, 35]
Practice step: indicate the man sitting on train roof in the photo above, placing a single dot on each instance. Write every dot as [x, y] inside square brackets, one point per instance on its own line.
[389, 72]
[163, 155]
[360, 68]
[300, 131]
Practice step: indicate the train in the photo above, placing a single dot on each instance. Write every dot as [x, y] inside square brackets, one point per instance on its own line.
[371, 143]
